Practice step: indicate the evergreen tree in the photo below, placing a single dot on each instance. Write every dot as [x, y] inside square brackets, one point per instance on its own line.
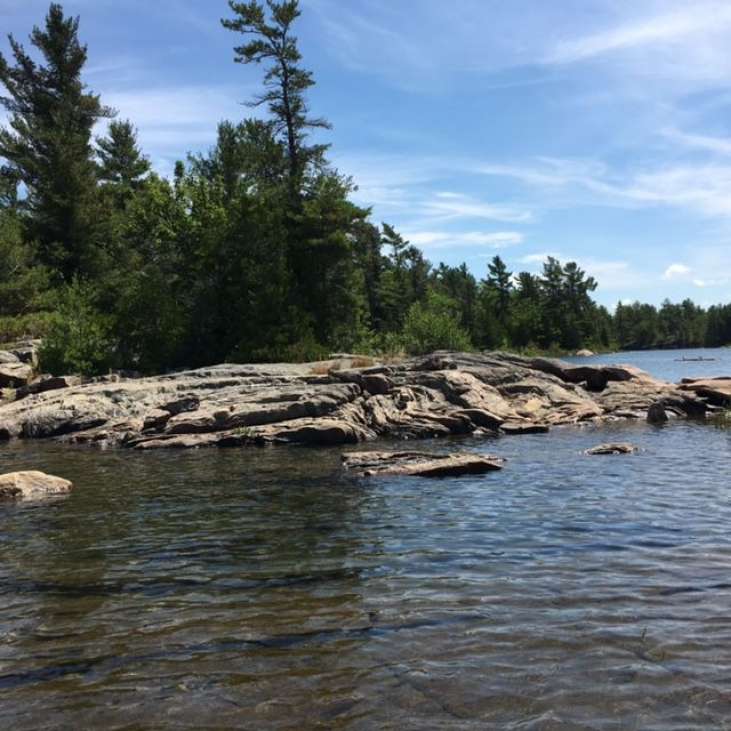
[48, 142]
[121, 162]
[285, 81]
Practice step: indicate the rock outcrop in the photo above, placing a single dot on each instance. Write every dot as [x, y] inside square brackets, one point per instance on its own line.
[438, 395]
[716, 390]
[420, 464]
[32, 486]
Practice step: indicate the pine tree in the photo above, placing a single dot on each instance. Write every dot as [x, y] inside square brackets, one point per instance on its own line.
[48, 142]
[121, 162]
[285, 81]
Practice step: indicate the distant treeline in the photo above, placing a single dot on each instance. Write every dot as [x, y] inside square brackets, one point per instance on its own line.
[253, 251]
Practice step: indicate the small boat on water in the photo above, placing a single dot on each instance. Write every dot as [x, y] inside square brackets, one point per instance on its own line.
[695, 360]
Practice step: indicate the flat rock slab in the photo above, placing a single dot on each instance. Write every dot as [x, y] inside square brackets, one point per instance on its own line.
[420, 464]
[615, 448]
[32, 485]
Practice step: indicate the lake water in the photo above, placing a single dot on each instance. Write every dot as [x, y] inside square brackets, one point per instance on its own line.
[265, 589]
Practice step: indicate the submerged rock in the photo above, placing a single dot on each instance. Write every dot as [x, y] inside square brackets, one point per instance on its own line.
[614, 448]
[439, 395]
[420, 464]
[32, 486]
[515, 428]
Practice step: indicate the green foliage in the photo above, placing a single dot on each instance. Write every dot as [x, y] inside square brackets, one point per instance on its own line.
[23, 283]
[81, 338]
[434, 325]
[122, 166]
[47, 144]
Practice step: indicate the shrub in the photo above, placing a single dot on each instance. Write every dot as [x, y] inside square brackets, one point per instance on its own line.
[434, 325]
[80, 337]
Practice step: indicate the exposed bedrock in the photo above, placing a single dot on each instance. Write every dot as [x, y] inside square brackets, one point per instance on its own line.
[439, 395]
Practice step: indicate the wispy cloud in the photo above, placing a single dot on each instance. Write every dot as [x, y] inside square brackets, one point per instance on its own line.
[173, 118]
[718, 145]
[443, 239]
[448, 206]
[703, 188]
[665, 28]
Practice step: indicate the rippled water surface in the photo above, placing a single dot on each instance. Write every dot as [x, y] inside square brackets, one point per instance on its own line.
[266, 589]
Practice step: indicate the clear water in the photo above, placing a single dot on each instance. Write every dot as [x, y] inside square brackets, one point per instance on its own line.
[266, 589]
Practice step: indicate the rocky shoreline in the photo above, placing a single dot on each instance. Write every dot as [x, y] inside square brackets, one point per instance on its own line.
[331, 403]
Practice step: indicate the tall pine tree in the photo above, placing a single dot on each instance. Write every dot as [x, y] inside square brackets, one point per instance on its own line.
[285, 81]
[48, 142]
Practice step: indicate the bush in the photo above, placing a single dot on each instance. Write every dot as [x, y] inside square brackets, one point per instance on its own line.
[434, 325]
[20, 327]
[80, 337]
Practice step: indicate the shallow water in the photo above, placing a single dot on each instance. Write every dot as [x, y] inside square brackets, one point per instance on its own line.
[266, 589]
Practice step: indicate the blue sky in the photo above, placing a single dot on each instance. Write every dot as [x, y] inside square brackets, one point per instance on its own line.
[592, 130]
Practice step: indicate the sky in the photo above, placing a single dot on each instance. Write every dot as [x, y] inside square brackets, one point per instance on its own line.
[597, 131]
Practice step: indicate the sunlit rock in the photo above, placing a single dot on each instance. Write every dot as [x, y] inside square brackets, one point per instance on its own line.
[32, 486]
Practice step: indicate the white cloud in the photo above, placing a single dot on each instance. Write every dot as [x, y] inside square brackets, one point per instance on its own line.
[719, 145]
[667, 28]
[677, 271]
[173, 118]
[538, 258]
[444, 239]
[449, 206]
[703, 189]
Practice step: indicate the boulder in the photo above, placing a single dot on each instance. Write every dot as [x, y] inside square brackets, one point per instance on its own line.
[377, 383]
[27, 351]
[615, 448]
[32, 486]
[420, 464]
[656, 414]
[8, 357]
[15, 374]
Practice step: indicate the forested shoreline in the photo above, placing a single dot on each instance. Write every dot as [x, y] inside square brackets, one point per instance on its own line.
[252, 251]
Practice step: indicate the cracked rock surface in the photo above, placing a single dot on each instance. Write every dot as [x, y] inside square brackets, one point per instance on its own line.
[438, 395]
